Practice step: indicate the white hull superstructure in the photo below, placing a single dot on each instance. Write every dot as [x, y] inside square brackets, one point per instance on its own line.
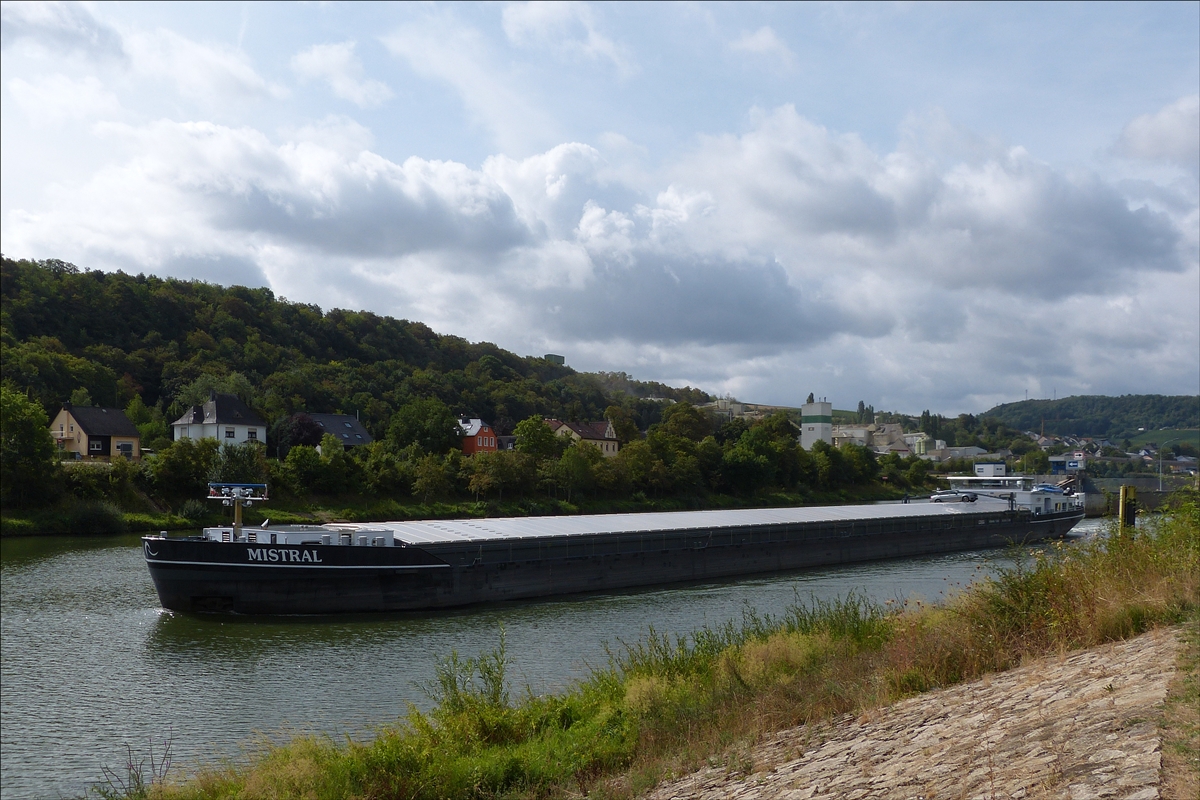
[1021, 491]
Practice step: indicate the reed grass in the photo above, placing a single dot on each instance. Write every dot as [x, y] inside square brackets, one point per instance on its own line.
[667, 704]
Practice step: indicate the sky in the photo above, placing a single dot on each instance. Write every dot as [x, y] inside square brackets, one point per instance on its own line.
[920, 206]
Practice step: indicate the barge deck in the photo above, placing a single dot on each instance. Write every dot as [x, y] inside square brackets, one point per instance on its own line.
[406, 566]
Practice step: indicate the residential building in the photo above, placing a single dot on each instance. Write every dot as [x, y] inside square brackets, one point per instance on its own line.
[816, 423]
[599, 434]
[345, 427]
[225, 418]
[478, 436]
[92, 432]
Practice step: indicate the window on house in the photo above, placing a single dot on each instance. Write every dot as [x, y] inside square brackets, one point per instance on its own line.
[96, 446]
[252, 435]
[229, 434]
[358, 436]
[345, 436]
[347, 424]
[478, 441]
[72, 429]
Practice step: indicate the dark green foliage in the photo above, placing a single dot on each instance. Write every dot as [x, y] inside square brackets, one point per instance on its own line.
[183, 471]
[159, 346]
[535, 438]
[120, 336]
[298, 429]
[28, 458]
[241, 463]
[427, 423]
[95, 518]
[1097, 416]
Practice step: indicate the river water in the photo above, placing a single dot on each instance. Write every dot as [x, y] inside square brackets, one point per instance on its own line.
[90, 662]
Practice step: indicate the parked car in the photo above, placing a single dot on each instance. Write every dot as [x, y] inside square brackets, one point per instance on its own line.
[953, 496]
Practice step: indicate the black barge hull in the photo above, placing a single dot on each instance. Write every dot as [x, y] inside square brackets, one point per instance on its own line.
[194, 575]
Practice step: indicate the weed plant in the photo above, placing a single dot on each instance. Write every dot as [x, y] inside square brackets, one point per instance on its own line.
[667, 704]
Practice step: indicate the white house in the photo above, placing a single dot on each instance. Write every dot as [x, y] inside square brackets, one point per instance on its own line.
[224, 417]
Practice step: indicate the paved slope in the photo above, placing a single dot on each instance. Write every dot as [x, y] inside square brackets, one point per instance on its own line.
[1081, 726]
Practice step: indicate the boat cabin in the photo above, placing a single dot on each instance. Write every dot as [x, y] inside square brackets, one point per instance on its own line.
[1039, 498]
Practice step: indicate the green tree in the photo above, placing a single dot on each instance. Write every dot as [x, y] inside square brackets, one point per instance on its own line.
[483, 473]
[623, 424]
[744, 471]
[197, 392]
[535, 438]
[646, 470]
[427, 422]
[27, 452]
[181, 472]
[382, 471]
[431, 480]
[575, 469]
[306, 470]
[240, 463]
[684, 419]
[341, 469]
[81, 397]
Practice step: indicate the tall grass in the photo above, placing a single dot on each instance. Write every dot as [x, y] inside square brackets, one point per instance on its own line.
[667, 704]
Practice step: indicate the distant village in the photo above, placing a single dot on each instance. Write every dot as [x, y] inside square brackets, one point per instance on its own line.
[95, 433]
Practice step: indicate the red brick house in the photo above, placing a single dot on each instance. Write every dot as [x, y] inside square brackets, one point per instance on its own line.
[478, 436]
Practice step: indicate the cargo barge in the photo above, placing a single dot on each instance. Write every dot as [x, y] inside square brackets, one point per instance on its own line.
[407, 566]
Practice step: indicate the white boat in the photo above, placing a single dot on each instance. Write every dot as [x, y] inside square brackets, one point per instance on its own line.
[1020, 491]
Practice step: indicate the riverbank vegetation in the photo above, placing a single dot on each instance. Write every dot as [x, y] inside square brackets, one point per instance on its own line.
[669, 704]
[155, 347]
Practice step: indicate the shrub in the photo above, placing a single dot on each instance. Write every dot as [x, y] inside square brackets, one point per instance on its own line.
[194, 509]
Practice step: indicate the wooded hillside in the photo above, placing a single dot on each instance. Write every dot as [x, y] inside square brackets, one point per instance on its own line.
[1098, 416]
[168, 341]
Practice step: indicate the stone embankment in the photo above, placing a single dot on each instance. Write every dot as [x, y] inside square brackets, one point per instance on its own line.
[1080, 726]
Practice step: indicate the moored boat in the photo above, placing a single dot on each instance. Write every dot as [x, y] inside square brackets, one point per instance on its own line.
[405, 566]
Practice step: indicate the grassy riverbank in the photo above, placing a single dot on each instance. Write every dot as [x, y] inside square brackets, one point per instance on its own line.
[103, 517]
[669, 704]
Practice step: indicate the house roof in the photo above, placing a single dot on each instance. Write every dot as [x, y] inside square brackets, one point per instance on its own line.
[344, 427]
[472, 427]
[584, 430]
[221, 409]
[101, 421]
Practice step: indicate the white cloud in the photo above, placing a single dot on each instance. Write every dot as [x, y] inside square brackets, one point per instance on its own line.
[567, 28]
[1172, 134]
[764, 42]
[337, 65]
[211, 74]
[54, 99]
[56, 26]
[787, 259]
[444, 50]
